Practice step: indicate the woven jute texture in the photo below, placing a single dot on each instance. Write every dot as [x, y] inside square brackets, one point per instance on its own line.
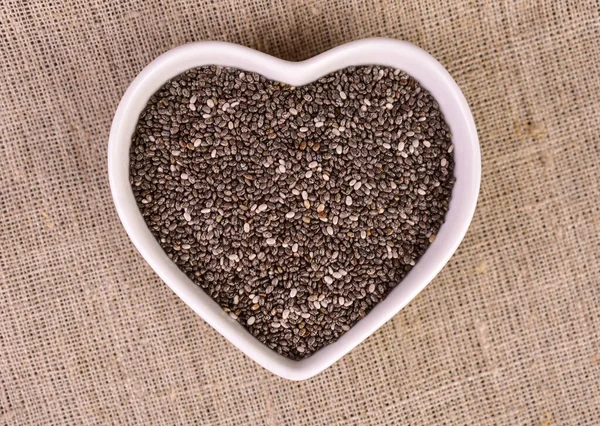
[507, 334]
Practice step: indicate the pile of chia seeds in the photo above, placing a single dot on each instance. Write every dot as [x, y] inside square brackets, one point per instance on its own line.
[297, 209]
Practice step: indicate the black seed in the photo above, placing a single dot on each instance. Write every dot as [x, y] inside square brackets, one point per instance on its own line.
[296, 209]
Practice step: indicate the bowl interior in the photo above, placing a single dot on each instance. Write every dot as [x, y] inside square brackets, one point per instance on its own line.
[405, 56]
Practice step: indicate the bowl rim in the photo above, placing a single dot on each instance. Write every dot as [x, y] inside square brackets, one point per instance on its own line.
[379, 51]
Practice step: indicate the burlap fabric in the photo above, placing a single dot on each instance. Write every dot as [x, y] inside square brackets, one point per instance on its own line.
[508, 333]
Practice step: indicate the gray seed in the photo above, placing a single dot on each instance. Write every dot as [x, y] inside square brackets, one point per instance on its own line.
[239, 154]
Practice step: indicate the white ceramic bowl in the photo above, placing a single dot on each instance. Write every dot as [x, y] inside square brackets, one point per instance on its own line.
[405, 56]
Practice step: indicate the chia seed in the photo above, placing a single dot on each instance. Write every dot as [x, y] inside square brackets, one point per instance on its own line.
[297, 209]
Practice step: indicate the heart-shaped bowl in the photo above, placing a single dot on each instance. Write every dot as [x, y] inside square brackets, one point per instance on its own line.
[392, 53]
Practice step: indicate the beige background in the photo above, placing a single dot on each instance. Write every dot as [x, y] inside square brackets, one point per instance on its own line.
[507, 334]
